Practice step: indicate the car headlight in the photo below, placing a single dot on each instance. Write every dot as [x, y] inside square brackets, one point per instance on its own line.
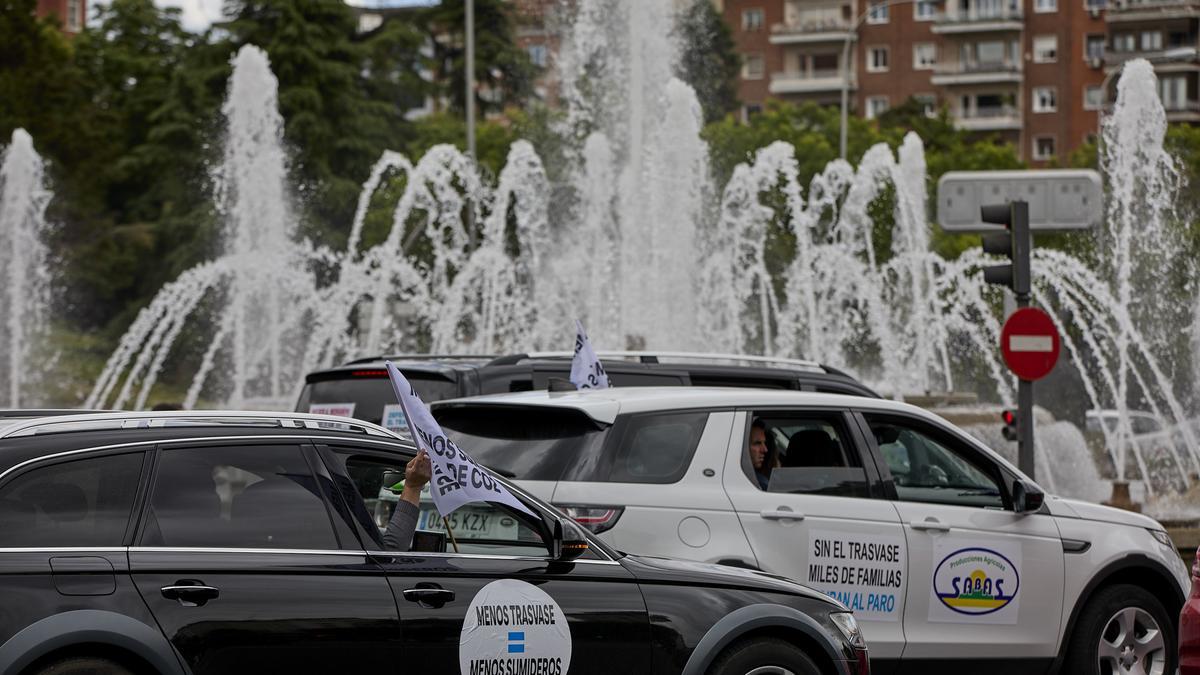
[849, 627]
[1162, 537]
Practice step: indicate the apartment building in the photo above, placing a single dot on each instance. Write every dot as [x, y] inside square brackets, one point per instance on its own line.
[1028, 71]
[1167, 33]
[71, 14]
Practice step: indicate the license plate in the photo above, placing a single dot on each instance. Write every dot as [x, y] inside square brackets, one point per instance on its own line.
[473, 523]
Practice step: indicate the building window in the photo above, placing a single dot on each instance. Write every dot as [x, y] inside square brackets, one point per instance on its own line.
[877, 60]
[751, 110]
[1045, 6]
[1045, 49]
[1151, 41]
[878, 13]
[1045, 99]
[1173, 90]
[928, 104]
[752, 69]
[538, 55]
[924, 10]
[1043, 148]
[1094, 48]
[924, 56]
[1095, 4]
[752, 19]
[876, 106]
[1093, 97]
[73, 16]
[1124, 42]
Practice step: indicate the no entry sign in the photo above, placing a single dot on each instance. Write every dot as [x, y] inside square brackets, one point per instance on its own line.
[1029, 342]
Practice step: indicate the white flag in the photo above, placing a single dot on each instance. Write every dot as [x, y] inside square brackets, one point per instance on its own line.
[586, 369]
[457, 479]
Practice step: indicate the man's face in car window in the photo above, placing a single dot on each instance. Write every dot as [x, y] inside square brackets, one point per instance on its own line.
[758, 447]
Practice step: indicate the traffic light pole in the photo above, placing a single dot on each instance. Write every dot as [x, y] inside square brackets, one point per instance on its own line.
[1022, 253]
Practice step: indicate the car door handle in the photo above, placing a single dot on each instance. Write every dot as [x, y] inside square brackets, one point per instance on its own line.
[930, 524]
[780, 514]
[190, 593]
[429, 596]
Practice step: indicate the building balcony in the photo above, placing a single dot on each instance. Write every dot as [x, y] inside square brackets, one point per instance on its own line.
[1184, 111]
[1000, 118]
[1130, 11]
[1007, 72]
[979, 21]
[1172, 58]
[815, 82]
[812, 32]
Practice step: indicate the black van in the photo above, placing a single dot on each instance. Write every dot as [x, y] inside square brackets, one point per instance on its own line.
[363, 383]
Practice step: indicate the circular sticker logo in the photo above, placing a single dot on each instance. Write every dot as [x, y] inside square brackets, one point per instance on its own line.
[514, 628]
[976, 581]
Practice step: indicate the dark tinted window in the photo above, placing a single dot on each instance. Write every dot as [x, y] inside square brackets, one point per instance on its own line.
[546, 443]
[370, 394]
[529, 443]
[85, 502]
[237, 497]
[656, 448]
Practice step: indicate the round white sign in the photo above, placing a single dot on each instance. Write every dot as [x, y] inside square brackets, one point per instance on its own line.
[514, 628]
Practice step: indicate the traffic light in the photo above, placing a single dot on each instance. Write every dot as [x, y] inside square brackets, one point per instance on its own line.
[1016, 244]
[1010, 424]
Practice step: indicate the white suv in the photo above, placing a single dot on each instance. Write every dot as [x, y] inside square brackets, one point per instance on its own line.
[949, 556]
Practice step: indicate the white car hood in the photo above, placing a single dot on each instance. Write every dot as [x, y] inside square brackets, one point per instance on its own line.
[1074, 508]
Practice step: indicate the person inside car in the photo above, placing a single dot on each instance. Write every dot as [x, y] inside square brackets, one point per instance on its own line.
[400, 529]
[762, 453]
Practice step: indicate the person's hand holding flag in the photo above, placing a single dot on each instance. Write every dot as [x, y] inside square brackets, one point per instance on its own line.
[457, 478]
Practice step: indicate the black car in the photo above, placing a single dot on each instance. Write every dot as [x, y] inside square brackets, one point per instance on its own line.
[360, 388]
[201, 543]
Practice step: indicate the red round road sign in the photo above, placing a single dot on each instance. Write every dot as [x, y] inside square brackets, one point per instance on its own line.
[1029, 342]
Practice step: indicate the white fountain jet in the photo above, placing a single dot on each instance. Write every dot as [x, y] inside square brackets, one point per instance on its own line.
[23, 265]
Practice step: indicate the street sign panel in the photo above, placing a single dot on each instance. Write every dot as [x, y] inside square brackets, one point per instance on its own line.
[1029, 343]
[1059, 199]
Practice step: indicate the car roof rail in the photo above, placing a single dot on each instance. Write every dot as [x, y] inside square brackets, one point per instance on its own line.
[193, 418]
[422, 357]
[654, 357]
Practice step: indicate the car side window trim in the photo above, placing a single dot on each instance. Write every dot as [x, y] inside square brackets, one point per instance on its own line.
[979, 460]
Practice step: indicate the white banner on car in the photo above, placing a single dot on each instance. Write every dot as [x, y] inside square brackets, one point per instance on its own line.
[586, 370]
[457, 478]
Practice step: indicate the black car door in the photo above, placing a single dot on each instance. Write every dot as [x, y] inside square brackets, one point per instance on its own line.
[497, 604]
[242, 565]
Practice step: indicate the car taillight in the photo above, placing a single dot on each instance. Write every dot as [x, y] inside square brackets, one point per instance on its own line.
[596, 519]
[368, 373]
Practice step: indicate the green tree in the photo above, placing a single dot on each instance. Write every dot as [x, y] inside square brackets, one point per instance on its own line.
[504, 74]
[710, 62]
[335, 127]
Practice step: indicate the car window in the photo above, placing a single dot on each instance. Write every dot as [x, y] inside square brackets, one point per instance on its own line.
[473, 528]
[805, 453]
[930, 467]
[370, 391]
[656, 448]
[526, 442]
[237, 497]
[85, 502]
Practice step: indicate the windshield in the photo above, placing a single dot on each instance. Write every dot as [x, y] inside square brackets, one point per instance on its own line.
[369, 395]
[527, 443]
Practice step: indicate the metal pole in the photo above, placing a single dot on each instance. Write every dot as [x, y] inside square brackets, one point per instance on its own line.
[470, 64]
[470, 102]
[1020, 228]
[845, 94]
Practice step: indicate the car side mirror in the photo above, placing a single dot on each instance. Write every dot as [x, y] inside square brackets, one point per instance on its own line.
[1027, 497]
[392, 477]
[569, 541]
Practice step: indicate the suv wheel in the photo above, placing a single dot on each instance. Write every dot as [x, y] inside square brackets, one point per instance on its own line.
[1122, 629]
[766, 656]
[84, 665]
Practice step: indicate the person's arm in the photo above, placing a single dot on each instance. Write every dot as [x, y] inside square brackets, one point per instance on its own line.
[399, 533]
